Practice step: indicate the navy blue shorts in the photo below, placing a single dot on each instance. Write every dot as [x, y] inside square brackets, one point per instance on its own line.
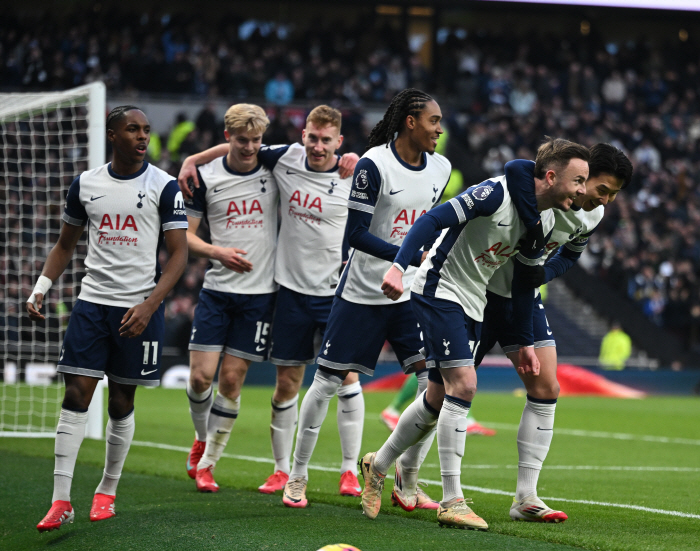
[235, 323]
[450, 336]
[92, 346]
[297, 319]
[356, 334]
[498, 326]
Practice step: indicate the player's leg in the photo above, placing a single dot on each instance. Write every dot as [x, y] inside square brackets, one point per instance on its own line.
[82, 361]
[292, 348]
[351, 419]
[207, 341]
[390, 414]
[118, 437]
[339, 354]
[537, 422]
[222, 416]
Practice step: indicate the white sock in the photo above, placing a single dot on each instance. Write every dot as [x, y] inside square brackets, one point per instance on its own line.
[422, 382]
[351, 420]
[314, 408]
[534, 438]
[222, 416]
[451, 437]
[413, 458]
[284, 421]
[200, 404]
[417, 420]
[69, 436]
[119, 434]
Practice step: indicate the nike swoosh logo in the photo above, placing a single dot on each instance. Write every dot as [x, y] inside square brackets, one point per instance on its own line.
[348, 411]
[148, 372]
[291, 498]
[392, 192]
[218, 190]
[113, 444]
[259, 349]
[421, 428]
[457, 430]
[222, 431]
[61, 432]
[290, 172]
[503, 224]
[538, 428]
[549, 332]
[315, 427]
[96, 198]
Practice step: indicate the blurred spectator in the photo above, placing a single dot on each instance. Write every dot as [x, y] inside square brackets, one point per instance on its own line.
[615, 348]
[279, 90]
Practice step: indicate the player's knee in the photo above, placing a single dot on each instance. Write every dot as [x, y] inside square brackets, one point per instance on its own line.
[199, 381]
[74, 400]
[119, 406]
[230, 385]
[544, 390]
[288, 385]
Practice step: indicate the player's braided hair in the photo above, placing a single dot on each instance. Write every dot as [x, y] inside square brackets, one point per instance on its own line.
[117, 113]
[407, 102]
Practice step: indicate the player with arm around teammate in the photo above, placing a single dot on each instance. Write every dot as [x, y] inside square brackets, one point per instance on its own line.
[609, 172]
[395, 182]
[482, 229]
[238, 198]
[117, 325]
[309, 255]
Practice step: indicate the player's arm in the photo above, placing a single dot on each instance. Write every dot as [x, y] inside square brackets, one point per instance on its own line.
[347, 163]
[136, 318]
[74, 217]
[55, 264]
[365, 189]
[230, 257]
[188, 170]
[458, 210]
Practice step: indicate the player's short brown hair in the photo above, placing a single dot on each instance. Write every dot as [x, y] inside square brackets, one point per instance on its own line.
[324, 115]
[245, 117]
[556, 153]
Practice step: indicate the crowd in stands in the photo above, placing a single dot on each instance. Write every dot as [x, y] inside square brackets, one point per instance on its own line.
[500, 94]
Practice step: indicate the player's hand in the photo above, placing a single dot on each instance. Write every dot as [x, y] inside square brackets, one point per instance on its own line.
[135, 320]
[392, 286]
[527, 361]
[34, 314]
[424, 256]
[531, 276]
[188, 173]
[231, 258]
[347, 163]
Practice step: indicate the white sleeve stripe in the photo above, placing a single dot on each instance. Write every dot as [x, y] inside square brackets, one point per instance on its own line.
[458, 209]
[361, 206]
[72, 221]
[194, 213]
[174, 226]
[528, 261]
[576, 248]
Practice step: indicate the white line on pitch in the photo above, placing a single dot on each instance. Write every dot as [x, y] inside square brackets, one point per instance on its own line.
[431, 482]
[600, 434]
[581, 468]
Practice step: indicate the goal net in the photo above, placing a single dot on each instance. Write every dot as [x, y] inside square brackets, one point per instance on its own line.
[46, 141]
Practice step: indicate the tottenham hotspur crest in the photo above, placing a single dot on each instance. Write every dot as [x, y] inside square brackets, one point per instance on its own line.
[140, 203]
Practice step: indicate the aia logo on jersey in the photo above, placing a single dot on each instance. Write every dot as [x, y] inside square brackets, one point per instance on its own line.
[495, 255]
[116, 222]
[405, 218]
[243, 208]
[307, 202]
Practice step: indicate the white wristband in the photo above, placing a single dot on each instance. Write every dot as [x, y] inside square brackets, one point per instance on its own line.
[42, 287]
[399, 268]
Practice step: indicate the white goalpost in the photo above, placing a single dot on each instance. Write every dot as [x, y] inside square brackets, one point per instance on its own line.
[46, 140]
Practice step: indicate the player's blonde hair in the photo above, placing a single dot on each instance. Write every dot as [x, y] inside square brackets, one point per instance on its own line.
[246, 117]
[556, 153]
[324, 115]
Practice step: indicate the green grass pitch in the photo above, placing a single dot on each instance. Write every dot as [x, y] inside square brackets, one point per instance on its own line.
[627, 472]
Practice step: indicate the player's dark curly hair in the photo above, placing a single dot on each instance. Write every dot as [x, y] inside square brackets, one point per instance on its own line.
[608, 159]
[117, 113]
[407, 102]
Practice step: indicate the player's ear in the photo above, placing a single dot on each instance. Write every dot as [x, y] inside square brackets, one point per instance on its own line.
[550, 176]
[340, 142]
[227, 135]
[410, 122]
[110, 135]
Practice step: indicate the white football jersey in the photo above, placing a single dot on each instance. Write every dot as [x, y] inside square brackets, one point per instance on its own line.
[241, 211]
[465, 257]
[126, 216]
[314, 210]
[396, 194]
[571, 229]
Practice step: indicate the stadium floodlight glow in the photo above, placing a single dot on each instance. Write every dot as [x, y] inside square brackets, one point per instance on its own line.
[681, 5]
[46, 140]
